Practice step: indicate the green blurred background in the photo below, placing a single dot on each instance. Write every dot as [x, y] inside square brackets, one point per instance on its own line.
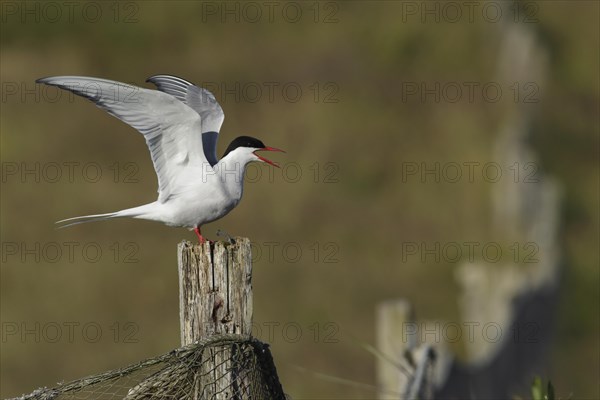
[347, 132]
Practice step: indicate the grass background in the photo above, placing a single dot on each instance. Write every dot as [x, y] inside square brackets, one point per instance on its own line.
[350, 206]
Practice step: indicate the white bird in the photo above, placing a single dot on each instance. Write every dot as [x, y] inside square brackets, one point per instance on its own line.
[180, 122]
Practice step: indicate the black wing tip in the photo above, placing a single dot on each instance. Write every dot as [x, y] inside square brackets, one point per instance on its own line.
[43, 80]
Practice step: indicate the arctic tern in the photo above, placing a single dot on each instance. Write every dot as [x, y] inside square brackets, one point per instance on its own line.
[180, 122]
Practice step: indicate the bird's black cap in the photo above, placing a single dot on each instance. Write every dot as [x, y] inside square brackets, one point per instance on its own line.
[244, 141]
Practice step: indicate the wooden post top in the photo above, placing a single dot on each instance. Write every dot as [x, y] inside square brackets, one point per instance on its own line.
[215, 289]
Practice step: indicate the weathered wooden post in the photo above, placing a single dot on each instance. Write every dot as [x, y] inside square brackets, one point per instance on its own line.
[215, 300]
[215, 289]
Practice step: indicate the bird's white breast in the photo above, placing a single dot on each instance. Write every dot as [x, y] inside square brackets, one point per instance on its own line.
[201, 203]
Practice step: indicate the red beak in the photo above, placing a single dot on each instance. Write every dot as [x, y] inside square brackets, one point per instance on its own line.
[267, 148]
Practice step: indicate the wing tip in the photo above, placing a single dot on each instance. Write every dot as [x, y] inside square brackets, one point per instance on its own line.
[45, 79]
[157, 77]
[57, 80]
[152, 78]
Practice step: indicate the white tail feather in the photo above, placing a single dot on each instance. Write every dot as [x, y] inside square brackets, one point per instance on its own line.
[86, 218]
[143, 212]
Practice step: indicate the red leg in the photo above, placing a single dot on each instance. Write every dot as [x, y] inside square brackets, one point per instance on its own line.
[200, 238]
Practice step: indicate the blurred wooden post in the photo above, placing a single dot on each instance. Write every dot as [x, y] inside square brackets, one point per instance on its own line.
[405, 365]
[215, 289]
[392, 318]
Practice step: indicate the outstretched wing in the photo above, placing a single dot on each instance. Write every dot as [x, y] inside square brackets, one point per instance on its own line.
[171, 128]
[200, 100]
